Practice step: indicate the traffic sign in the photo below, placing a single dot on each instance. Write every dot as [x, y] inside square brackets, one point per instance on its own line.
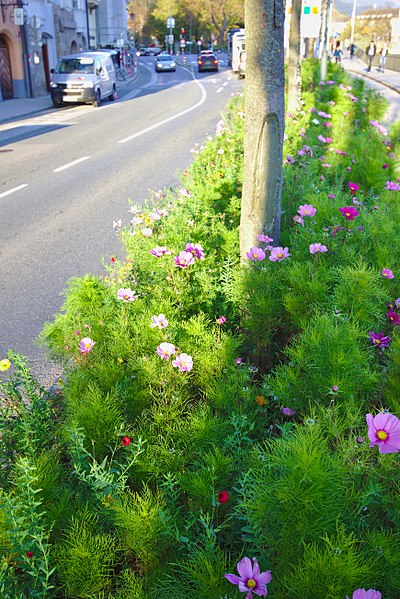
[170, 39]
[170, 22]
[182, 43]
[18, 16]
[311, 18]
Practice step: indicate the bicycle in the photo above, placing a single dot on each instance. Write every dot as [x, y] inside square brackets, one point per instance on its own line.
[120, 73]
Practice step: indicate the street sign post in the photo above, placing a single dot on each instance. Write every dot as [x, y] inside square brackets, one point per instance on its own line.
[170, 22]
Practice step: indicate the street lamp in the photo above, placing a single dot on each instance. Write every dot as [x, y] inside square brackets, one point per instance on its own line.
[353, 21]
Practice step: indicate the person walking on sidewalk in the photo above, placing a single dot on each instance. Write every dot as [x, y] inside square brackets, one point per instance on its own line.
[352, 50]
[337, 53]
[370, 52]
[383, 57]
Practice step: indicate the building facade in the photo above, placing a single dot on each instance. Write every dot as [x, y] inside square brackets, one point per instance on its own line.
[52, 29]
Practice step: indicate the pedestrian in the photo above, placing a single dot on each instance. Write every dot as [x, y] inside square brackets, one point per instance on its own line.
[352, 50]
[383, 57]
[337, 53]
[370, 52]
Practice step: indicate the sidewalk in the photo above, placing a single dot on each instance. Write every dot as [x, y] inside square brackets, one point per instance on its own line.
[389, 78]
[17, 108]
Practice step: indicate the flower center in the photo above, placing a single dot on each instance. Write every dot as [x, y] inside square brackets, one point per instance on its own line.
[382, 435]
[377, 341]
[255, 255]
[251, 583]
[347, 213]
[280, 255]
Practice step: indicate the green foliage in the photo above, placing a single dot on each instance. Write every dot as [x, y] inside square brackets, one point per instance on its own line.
[86, 559]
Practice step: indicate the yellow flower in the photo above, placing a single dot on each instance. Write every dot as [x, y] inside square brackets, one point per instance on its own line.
[4, 364]
[260, 400]
[120, 360]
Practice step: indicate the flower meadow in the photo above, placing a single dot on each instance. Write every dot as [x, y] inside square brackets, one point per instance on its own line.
[224, 430]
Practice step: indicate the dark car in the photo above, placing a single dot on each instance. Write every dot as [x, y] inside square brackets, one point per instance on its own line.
[207, 62]
[164, 62]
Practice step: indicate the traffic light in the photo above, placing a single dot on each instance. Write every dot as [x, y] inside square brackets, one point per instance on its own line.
[182, 30]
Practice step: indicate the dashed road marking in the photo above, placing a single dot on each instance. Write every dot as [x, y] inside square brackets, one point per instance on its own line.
[62, 168]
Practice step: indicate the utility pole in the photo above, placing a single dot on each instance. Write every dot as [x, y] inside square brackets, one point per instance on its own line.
[353, 21]
[325, 28]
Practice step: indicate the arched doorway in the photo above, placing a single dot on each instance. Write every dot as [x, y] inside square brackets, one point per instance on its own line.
[6, 82]
[74, 47]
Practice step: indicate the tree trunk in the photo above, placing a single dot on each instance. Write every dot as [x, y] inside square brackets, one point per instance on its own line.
[294, 66]
[264, 122]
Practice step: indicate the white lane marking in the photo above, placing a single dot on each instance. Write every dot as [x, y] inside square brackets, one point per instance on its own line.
[225, 84]
[62, 168]
[7, 193]
[171, 118]
[219, 90]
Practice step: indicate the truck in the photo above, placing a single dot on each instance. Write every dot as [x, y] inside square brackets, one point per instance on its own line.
[238, 47]
[229, 35]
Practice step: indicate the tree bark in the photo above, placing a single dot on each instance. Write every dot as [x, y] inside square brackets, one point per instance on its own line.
[294, 65]
[264, 122]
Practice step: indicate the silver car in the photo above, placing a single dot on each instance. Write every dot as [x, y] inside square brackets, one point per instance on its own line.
[164, 62]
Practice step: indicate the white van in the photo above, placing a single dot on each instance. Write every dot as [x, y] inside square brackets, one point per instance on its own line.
[238, 46]
[88, 77]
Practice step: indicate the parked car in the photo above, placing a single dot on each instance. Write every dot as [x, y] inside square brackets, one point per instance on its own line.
[242, 65]
[150, 51]
[207, 62]
[87, 78]
[164, 62]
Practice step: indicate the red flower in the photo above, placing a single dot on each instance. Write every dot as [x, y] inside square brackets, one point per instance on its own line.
[222, 497]
[29, 554]
[126, 441]
[113, 259]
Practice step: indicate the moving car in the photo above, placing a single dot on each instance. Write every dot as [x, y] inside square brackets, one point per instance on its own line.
[164, 62]
[207, 62]
[86, 78]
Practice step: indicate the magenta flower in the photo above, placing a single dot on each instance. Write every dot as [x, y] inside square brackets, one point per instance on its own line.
[251, 580]
[353, 187]
[392, 186]
[196, 250]
[166, 350]
[184, 259]
[307, 210]
[278, 254]
[264, 239]
[393, 316]
[384, 431]
[221, 320]
[86, 345]
[363, 594]
[159, 321]
[288, 412]
[126, 295]
[322, 139]
[387, 273]
[349, 212]
[317, 248]
[379, 339]
[238, 360]
[184, 362]
[159, 250]
[256, 254]
[331, 196]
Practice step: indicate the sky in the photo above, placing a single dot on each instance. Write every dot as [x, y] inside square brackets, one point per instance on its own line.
[345, 6]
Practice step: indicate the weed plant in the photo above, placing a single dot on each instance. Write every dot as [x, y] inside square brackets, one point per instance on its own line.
[149, 474]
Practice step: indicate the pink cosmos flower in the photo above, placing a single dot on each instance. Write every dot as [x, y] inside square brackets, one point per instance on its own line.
[349, 212]
[184, 259]
[297, 219]
[136, 220]
[196, 250]
[393, 316]
[117, 224]
[147, 232]
[159, 250]
[387, 273]
[251, 580]
[166, 350]
[264, 239]
[288, 412]
[306, 210]
[316, 248]
[331, 196]
[159, 321]
[324, 114]
[238, 360]
[256, 254]
[184, 362]
[392, 186]
[363, 594]
[353, 187]
[384, 431]
[278, 254]
[126, 295]
[86, 345]
[322, 139]
[221, 320]
[379, 339]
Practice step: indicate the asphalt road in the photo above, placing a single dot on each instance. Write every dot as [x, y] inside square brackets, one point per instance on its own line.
[67, 174]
